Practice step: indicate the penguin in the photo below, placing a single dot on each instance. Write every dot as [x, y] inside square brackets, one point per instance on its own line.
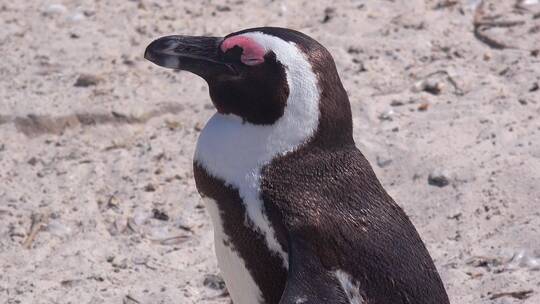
[298, 213]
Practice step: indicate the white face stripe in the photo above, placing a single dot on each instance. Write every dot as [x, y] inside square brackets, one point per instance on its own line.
[236, 152]
[351, 288]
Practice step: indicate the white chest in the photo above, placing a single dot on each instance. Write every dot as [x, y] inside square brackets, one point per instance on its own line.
[236, 152]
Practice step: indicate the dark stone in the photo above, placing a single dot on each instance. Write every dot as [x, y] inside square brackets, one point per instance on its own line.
[214, 281]
[223, 8]
[329, 13]
[150, 188]
[87, 80]
[160, 215]
[396, 103]
[438, 179]
[383, 161]
[32, 161]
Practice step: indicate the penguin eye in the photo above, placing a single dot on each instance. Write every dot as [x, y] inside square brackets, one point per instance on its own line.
[233, 54]
[270, 57]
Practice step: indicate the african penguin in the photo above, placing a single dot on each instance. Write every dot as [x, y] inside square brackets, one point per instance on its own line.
[298, 213]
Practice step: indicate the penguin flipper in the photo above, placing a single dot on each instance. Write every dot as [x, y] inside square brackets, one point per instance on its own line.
[308, 281]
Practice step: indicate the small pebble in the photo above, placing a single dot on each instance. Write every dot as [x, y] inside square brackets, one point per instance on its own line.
[160, 215]
[214, 281]
[87, 80]
[383, 161]
[32, 161]
[387, 115]
[223, 8]
[396, 103]
[423, 107]
[113, 202]
[433, 87]
[77, 17]
[428, 85]
[150, 188]
[55, 9]
[439, 178]
[329, 13]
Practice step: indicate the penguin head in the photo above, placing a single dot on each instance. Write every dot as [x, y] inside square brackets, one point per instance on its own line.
[258, 74]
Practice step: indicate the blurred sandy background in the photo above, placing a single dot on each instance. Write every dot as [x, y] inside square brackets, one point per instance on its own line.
[97, 199]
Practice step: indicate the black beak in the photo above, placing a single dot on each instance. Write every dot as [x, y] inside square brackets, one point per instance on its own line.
[199, 55]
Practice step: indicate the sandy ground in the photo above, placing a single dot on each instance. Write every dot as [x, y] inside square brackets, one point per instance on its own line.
[97, 199]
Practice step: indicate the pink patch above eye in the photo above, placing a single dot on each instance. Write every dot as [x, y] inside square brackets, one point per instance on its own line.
[252, 52]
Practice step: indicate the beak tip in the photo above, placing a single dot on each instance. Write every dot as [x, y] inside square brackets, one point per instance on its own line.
[149, 52]
[147, 55]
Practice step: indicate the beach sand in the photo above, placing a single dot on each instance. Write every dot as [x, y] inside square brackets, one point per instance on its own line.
[97, 198]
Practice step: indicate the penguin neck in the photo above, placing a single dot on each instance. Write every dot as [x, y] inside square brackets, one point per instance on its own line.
[335, 128]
